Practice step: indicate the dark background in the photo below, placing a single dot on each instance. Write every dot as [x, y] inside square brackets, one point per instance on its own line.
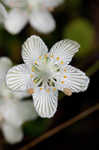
[85, 133]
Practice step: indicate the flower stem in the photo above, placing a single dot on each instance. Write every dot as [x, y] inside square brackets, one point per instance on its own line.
[52, 132]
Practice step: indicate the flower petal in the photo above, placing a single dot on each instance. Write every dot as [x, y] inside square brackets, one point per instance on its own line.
[14, 3]
[63, 51]
[5, 65]
[52, 3]
[42, 21]
[45, 102]
[12, 134]
[11, 115]
[32, 49]
[16, 21]
[73, 79]
[18, 78]
[3, 13]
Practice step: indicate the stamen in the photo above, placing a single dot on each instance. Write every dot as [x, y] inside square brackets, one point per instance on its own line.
[54, 79]
[46, 58]
[52, 56]
[40, 84]
[64, 70]
[35, 62]
[47, 90]
[67, 91]
[40, 57]
[62, 82]
[33, 69]
[54, 89]
[57, 68]
[51, 83]
[30, 91]
[36, 80]
[62, 62]
[65, 76]
[41, 88]
[57, 58]
[31, 76]
[46, 55]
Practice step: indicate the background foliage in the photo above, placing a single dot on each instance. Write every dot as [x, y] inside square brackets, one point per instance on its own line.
[79, 21]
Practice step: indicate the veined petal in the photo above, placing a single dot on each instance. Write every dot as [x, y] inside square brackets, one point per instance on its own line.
[63, 51]
[73, 79]
[42, 21]
[16, 21]
[18, 78]
[12, 134]
[5, 65]
[15, 3]
[18, 112]
[3, 13]
[33, 48]
[45, 102]
[52, 3]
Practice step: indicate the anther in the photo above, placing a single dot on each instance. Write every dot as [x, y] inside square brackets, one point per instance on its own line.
[41, 88]
[57, 58]
[47, 90]
[31, 76]
[62, 82]
[51, 9]
[67, 91]
[65, 76]
[54, 89]
[64, 70]
[30, 91]
[62, 62]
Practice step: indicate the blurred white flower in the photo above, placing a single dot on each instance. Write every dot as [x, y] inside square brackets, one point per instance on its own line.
[36, 12]
[44, 73]
[3, 14]
[13, 111]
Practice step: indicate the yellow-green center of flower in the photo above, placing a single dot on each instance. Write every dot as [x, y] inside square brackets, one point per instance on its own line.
[44, 70]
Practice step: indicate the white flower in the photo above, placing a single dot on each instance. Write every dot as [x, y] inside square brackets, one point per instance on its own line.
[3, 14]
[36, 12]
[44, 73]
[13, 111]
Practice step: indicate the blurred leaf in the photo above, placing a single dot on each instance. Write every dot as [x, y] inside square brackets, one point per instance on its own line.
[14, 48]
[61, 95]
[82, 31]
[37, 127]
[94, 68]
[74, 3]
[73, 6]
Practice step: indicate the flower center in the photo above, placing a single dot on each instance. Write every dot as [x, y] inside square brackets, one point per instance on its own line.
[45, 71]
